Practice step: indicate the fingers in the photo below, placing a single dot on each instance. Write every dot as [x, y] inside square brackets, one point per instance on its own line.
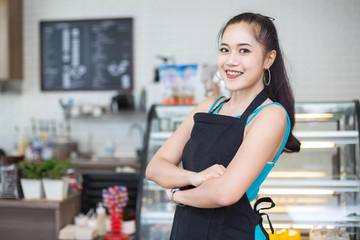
[168, 192]
[213, 171]
[197, 178]
[220, 169]
[223, 168]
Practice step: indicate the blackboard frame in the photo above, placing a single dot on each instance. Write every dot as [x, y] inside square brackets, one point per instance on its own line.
[128, 20]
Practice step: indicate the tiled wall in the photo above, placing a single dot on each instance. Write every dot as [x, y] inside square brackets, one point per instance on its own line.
[320, 39]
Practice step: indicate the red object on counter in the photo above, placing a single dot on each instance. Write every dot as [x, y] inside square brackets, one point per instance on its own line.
[116, 218]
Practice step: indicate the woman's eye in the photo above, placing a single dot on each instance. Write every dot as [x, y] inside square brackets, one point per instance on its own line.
[223, 50]
[244, 50]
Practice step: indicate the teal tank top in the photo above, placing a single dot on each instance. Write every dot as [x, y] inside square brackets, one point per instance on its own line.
[255, 186]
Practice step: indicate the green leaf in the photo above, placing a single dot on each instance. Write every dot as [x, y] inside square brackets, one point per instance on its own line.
[52, 169]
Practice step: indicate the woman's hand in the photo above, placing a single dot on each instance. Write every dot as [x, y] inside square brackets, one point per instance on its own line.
[214, 171]
[197, 179]
[168, 193]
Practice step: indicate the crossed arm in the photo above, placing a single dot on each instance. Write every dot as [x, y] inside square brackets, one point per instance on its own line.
[217, 186]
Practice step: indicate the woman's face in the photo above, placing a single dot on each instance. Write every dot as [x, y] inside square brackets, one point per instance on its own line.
[241, 60]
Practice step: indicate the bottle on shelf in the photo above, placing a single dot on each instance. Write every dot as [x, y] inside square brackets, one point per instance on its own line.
[110, 148]
[101, 219]
[21, 141]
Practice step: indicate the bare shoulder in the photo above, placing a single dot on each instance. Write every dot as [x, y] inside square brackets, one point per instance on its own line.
[205, 105]
[274, 111]
[273, 115]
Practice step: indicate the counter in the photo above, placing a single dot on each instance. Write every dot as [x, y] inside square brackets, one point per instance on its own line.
[36, 219]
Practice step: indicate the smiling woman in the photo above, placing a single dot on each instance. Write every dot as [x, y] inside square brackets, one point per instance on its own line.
[226, 146]
[242, 55]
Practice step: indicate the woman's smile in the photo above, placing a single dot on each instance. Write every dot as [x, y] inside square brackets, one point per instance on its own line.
[233, 74]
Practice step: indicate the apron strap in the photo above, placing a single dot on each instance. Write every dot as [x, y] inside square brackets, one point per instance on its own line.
[260, 214]
[258, 100]
[217, 108]
[261, 200]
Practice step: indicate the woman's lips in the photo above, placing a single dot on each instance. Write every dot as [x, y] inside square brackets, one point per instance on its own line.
[233, 74]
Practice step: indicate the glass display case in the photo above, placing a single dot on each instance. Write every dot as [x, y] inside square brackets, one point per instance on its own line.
[154, 212]
[318, 187]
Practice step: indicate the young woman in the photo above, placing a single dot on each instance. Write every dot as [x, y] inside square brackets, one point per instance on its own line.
[228, 146]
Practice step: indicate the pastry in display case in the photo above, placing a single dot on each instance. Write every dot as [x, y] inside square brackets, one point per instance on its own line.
[316, 191]
[318, 188]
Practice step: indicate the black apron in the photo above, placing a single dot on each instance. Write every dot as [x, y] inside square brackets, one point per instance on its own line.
[215, 139]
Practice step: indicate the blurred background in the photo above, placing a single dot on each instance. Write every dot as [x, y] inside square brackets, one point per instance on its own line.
[320, 41]
[165, 53]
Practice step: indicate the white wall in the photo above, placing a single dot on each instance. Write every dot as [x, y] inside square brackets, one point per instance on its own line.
[320, 39]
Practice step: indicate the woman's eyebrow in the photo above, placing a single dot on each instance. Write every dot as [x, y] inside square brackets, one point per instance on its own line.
[239, 44]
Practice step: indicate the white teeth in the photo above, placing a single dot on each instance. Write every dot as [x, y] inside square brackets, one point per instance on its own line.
[233, 73]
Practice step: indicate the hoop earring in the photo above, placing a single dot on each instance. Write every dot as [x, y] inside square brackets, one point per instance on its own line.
[216, 75]
[269, 81]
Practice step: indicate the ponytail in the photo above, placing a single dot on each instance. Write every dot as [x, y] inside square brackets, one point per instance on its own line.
[279, 89]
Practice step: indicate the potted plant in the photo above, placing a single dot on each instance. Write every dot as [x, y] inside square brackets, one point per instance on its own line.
[31, 184]
[55, 182]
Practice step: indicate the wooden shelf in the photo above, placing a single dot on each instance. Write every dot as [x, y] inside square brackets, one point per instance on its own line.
[37, 203]
[37, 219]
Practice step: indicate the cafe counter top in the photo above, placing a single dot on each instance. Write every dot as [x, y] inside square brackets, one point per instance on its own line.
[36, 219]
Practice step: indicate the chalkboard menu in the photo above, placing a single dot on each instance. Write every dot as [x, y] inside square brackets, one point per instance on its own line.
[87, 55]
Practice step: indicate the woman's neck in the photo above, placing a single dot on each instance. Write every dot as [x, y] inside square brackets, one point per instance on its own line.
[244, 97]
[240, 100]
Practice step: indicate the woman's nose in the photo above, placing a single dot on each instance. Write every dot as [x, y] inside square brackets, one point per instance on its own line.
[233, 59]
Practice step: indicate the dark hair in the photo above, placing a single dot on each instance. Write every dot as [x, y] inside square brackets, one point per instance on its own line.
[279, 90]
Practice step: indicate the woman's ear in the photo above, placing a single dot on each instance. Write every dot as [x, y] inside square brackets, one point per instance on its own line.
[270, 58]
